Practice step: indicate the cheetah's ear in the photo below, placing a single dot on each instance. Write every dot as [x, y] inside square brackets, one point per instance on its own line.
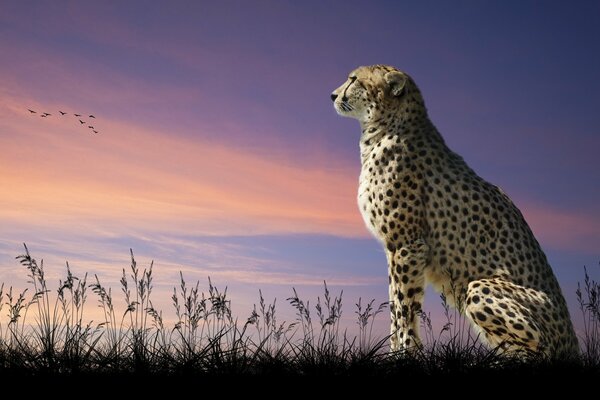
[396, 82]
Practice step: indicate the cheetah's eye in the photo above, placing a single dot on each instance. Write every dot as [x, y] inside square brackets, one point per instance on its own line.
[352, 78]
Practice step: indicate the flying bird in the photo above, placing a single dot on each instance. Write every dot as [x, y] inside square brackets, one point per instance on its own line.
[94, 131]
[91, 127]
[77, 115]
[46, 114]
[91, 116]
[81, 122]
[61, 113]
[31, 111]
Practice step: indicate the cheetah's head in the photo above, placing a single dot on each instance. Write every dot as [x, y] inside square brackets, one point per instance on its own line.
[372, 92]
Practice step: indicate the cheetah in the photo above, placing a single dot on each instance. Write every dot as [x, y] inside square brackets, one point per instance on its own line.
[442, 224]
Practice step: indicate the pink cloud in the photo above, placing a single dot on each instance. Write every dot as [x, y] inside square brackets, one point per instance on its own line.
[130, 177]
[563, 229]
[135, 179]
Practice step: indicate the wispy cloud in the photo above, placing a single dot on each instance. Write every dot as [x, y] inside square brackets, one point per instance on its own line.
[127, 177]
[235, 266]
[563, 229]
[134, 180]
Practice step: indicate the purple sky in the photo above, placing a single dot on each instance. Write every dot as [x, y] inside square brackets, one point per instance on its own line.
[220, 151]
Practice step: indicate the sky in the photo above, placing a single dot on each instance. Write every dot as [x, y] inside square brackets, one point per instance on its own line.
[219, 152]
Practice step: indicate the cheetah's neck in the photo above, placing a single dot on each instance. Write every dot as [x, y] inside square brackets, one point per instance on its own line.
[405, 129]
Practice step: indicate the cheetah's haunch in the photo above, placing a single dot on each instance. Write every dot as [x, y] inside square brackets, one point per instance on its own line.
[442, 224]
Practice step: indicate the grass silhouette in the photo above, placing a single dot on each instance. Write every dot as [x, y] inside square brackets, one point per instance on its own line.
[44, 332]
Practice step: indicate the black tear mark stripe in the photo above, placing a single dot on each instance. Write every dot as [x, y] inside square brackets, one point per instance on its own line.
[352, 80]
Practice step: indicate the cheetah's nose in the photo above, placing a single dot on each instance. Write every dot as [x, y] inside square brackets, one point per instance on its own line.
[333, 96]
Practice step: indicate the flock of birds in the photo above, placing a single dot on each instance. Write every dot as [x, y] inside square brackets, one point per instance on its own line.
[62, 114]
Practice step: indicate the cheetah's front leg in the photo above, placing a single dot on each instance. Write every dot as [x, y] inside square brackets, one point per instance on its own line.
[407, 284]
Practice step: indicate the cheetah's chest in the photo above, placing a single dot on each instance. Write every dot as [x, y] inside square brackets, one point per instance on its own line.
[377, 195]
[366, 201]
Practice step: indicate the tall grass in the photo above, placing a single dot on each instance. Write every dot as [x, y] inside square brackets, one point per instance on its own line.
[589, 305]
[45, 331]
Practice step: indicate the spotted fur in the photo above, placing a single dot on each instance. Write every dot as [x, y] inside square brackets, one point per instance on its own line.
[442, 224]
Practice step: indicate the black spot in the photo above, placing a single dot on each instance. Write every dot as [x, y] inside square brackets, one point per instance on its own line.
[529, 335]
[404, 310]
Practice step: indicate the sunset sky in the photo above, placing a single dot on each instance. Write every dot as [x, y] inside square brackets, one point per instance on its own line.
[219, 152]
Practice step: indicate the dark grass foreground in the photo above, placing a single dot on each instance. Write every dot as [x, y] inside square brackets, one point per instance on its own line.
[44, 333]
